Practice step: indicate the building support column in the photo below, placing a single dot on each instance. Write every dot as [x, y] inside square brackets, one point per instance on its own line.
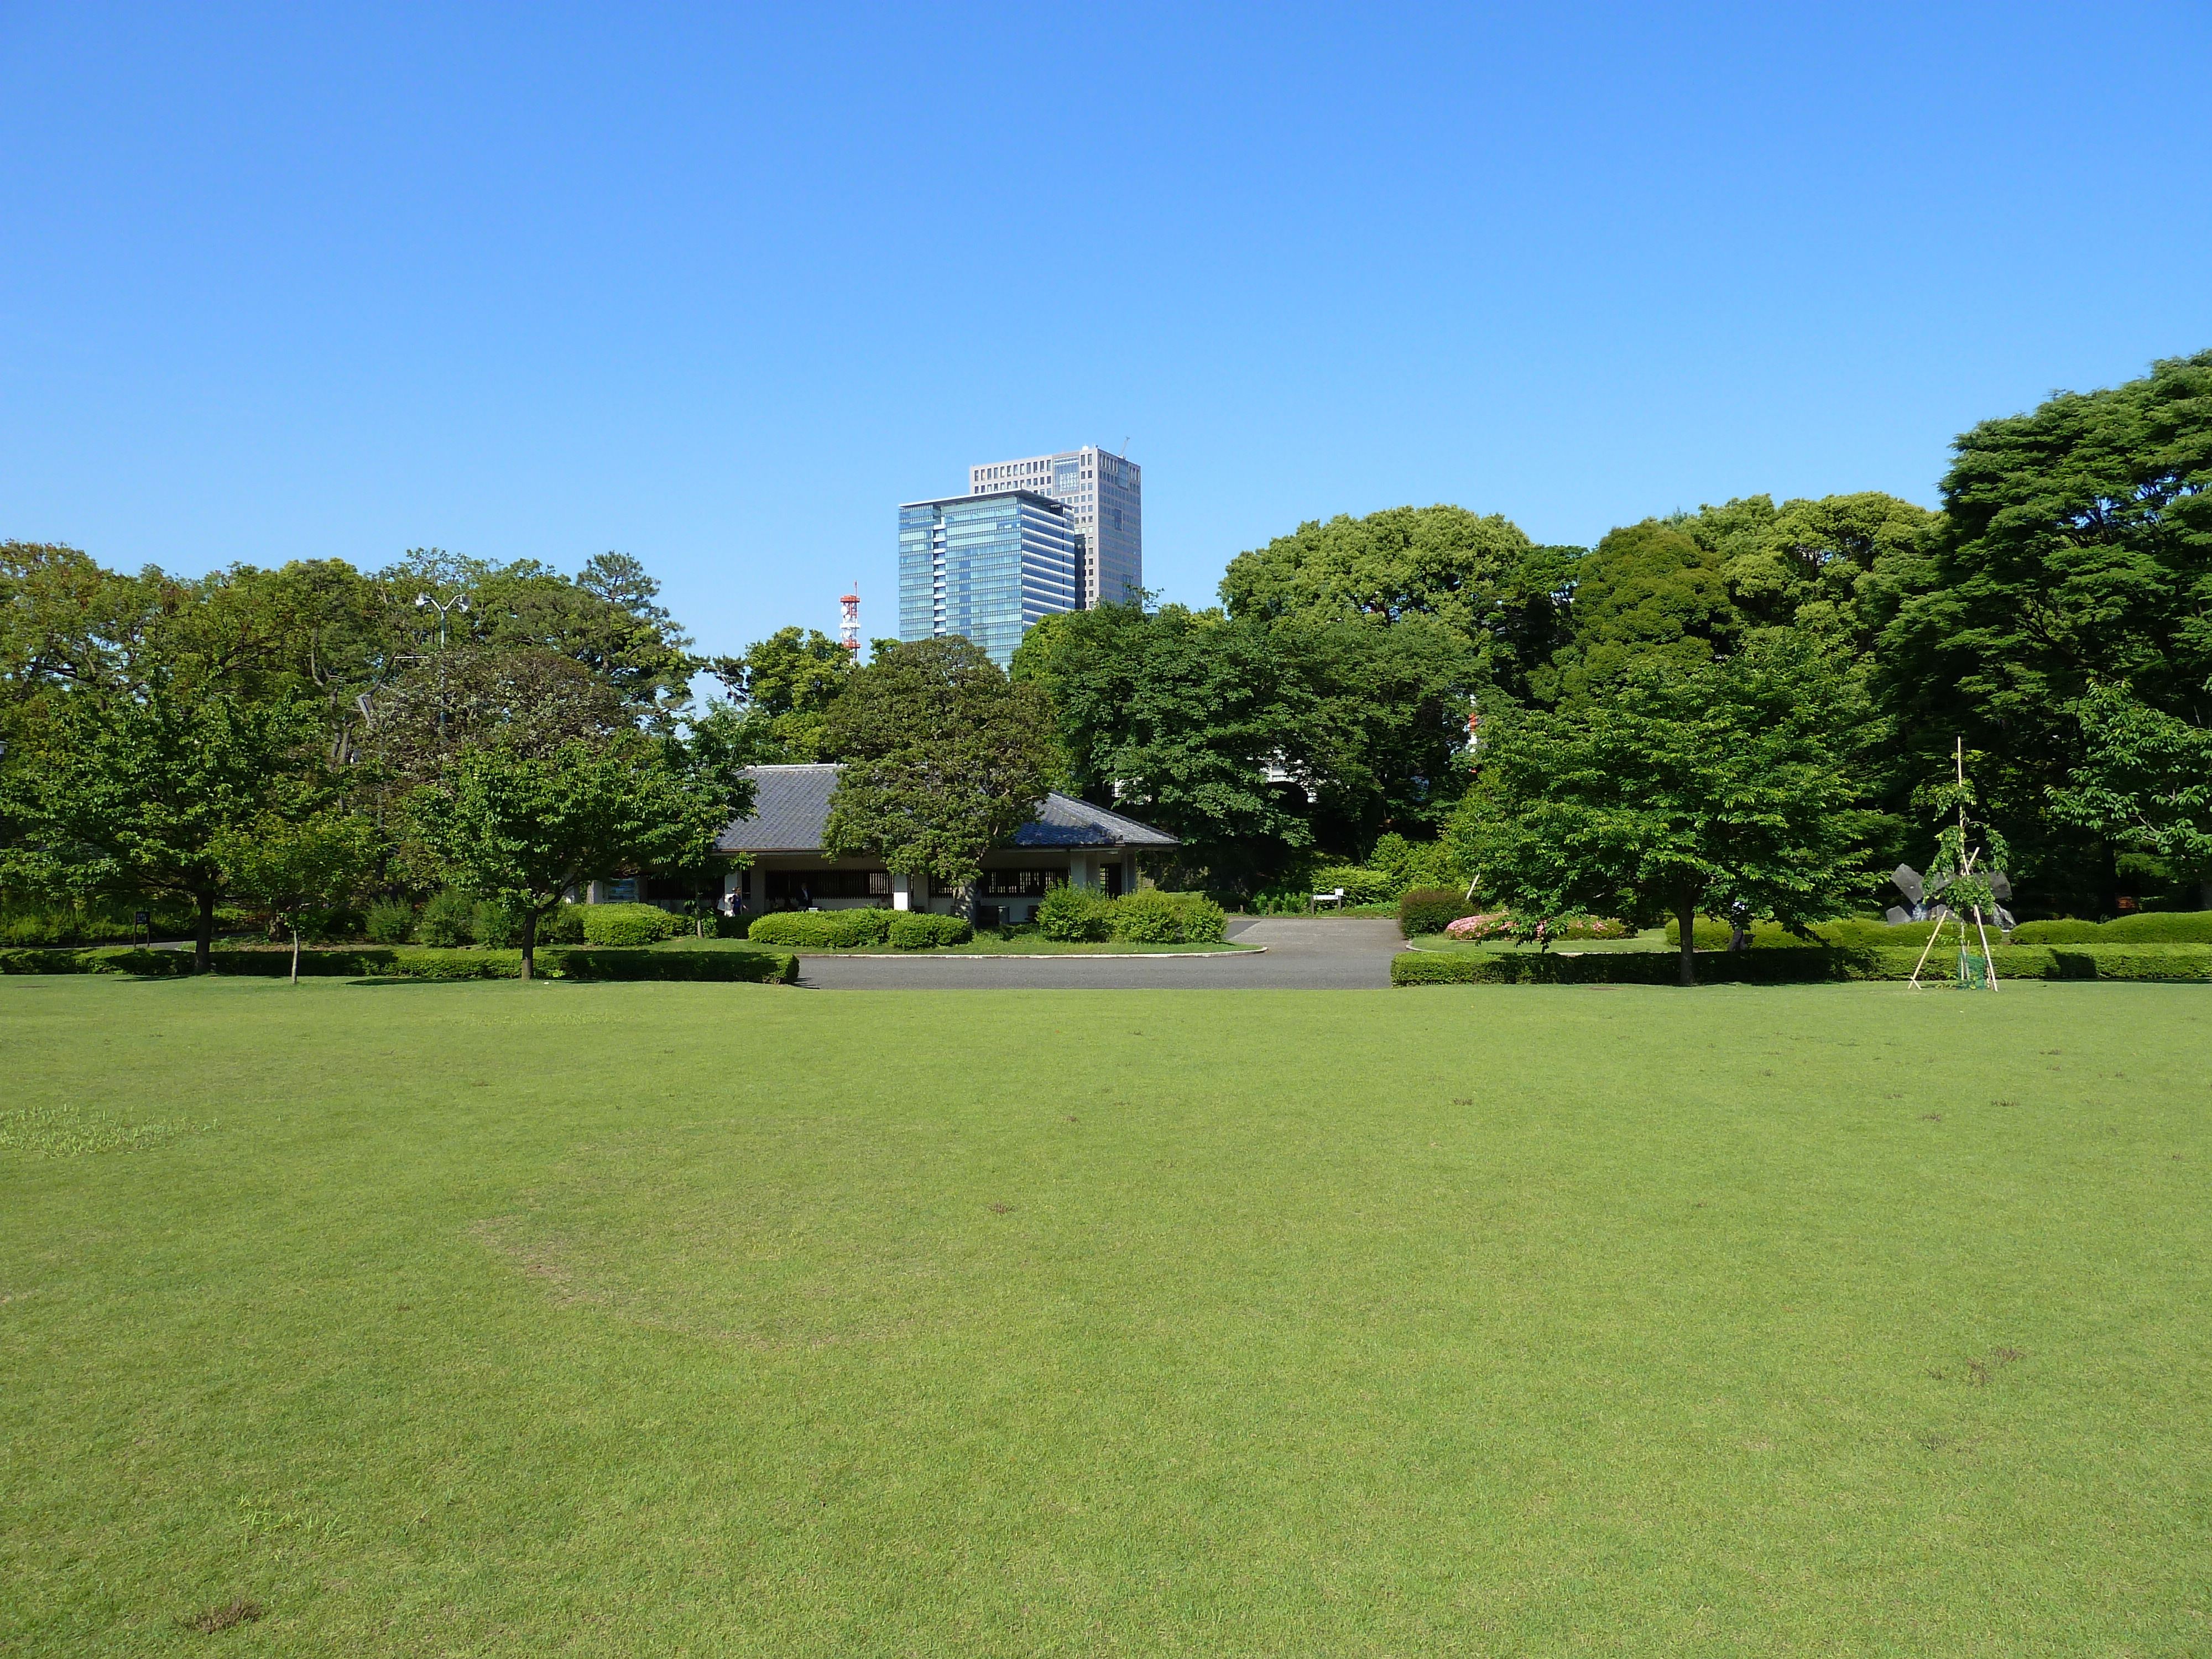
[901, 894]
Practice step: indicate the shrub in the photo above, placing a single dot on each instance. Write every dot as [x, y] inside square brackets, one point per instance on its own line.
[820, 930]
[499, 925]
[565, 926]
[390, 923]
[628, 925]
[1202, 921]
[2064, 930]
[1431, 910]
[1593, 927]
[1405, 864]
[1150, 916]
[1147, 917]
[741, 967]
[1491, 924]
[449, 918]
[1361, 885]
[1071, 914]
[919, 930]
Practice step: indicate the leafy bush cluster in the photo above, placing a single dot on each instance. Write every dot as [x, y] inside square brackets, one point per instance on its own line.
[920, 930]
[32, 922]
[1396, 866]
[1431, 910]
[1145, 917]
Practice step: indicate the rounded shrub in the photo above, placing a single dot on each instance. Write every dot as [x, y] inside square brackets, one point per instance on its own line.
[820, 930]
[919, 930]
[449, 918]
[390, 923]
[626, 925]
[1074, 913]
[1431, 910]
[1147, 918]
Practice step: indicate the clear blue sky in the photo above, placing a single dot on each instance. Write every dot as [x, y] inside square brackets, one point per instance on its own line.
[721, 287]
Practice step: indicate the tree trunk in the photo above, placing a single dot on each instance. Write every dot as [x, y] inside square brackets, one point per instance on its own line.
[529, 943]
[2204, 895]
[296, 956]
[1688, 913]
[203, 935]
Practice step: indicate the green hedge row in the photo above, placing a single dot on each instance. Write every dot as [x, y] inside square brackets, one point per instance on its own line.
[1806, 964]
[745, 967]
[841, 930]
[2155, 927]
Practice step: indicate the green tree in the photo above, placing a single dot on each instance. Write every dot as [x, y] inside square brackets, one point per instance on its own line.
[2075, 549]
[288, 865]
[1176, 716]
[2145, 781]
[1682, 790]
[780, 691]
[135, 794]
[1648, 591]
[945, 758]
[1479, 576]
[524, 829]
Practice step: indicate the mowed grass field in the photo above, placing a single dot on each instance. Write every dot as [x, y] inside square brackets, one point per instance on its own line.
[698, 1319]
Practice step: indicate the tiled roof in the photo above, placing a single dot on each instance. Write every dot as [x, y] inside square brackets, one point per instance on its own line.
[791, 805]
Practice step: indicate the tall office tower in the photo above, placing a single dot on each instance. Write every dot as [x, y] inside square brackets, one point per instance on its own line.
[984, 566]
[1105, 498]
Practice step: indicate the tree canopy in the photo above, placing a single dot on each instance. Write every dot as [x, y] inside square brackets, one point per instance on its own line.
[1686, 789]
[944, 759]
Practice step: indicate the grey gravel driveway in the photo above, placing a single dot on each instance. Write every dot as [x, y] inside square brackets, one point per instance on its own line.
[1353, 954]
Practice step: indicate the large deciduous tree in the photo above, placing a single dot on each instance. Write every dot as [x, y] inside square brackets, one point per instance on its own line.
[2145, 781]
[2075, 549]
[525, 828]
[136, 792]
[944, 759]
[1682, 790]
[780, 691]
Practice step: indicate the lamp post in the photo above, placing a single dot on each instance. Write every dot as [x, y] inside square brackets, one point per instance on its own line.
[460, 602]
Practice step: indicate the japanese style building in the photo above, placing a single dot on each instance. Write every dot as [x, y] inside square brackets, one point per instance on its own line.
[1068, 841]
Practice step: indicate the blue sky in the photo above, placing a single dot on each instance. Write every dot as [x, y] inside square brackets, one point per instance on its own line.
[721, 287]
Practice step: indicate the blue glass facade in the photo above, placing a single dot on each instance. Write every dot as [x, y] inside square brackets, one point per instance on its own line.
[985, 568]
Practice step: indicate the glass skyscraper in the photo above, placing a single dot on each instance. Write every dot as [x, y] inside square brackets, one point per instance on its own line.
[1104, 495]
[985, 566]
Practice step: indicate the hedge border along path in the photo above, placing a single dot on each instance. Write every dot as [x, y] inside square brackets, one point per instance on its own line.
[554, 962]
[1780, 966]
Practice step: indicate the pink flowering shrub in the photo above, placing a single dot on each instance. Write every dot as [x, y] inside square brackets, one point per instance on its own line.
[1493, 925]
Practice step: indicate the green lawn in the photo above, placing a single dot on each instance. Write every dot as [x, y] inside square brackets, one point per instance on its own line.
[630, 1319]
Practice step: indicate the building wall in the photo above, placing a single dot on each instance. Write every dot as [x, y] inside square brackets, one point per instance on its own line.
[1104, 495]
[984, 566]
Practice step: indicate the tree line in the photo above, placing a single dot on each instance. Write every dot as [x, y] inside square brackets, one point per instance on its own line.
[1737, 707]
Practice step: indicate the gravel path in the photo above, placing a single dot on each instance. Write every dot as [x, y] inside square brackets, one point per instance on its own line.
[1348, 955]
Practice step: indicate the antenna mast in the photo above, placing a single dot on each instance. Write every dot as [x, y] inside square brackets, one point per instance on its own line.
[848, 620]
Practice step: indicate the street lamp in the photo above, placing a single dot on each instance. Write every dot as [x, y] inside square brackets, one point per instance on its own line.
[426, 601]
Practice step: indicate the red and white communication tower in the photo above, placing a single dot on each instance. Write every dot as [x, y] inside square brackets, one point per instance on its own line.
[848, 620]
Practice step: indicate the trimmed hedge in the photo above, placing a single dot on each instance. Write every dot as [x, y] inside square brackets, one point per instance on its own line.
[622, 925]
[554, 962]
[1431, 910]
[920, 930]
[2108, 963]
[1848, 931]
[1806, 964]
[2153, 927]
[822, 930]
